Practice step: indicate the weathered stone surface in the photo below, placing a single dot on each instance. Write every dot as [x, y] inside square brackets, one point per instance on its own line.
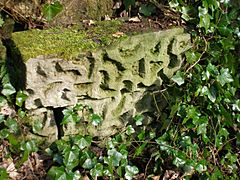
[77, 10]
[115, 81]
[44, 124]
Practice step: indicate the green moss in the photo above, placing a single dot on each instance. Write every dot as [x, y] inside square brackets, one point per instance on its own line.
[65, 43]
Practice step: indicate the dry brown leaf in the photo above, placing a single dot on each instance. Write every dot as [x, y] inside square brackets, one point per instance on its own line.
[86, 177]
[170, 175]
[89, 22]
[10, 168]
[7, 111]
[107, 18]
[155, 177]
[135, 19]
[118, 34]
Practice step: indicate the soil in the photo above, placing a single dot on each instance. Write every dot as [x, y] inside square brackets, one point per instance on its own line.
[151, 24]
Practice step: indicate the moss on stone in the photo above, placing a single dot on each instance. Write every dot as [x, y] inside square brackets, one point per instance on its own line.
[65, 43]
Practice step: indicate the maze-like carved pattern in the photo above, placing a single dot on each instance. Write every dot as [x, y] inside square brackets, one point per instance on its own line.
[112, 80]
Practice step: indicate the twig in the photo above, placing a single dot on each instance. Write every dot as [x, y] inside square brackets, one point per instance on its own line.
[155, 102]
[224, 145]
[199, 59]
[165, 10]
[145, 171]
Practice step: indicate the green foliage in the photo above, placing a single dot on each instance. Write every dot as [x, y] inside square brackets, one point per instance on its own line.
[20, 98]
[128, 3]
[77, 152]
[1, 21]
[3, 174]
[7, 88]
[147, 10]
[78, 112]
[9, 121]
[178, 78]
[206, 103]
[50, 10]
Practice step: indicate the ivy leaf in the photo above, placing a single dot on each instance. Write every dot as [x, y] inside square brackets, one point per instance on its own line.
[178, 78]
[223, 132]
[29, 146]
[96, 119]
[224, 30]
[51, 10]
[97, 170]
[8, 89]
[185, 141]
[21, 113]
[192, 56]
[89, 163]
[84, 155]
[130, 130]
[20, 98]
[224, 76]
[71, 158]
[57, 173]
[201, 166]
[37, 126]
[4, 133]
[3, 171]
[12, 125]
[216, 174]
[236, 106]
[2, 118]
[212, 94]
[179, 161]
[202, 129]
[62, 145]
[185, 10]
[130, 172]
[228, 44]
[163, 145]
[115, 156]
[211, 70]
[141, 135]
[205, 21]
[128, 3]
[192, 113]
[204, 18]
[3, 101]
[70, 116]
[82, 142]
[140, 149]
[147, 10]
[138, 119]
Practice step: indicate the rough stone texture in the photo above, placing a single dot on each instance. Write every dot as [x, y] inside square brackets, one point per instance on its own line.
[77, 10]
[115, 81]
[48, 129]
